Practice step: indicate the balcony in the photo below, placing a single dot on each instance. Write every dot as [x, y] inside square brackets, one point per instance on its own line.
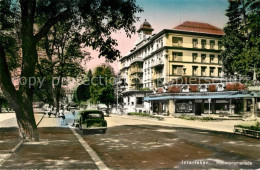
[158, 63]
[136, 70]
[157, 76]
[136, 81]
[138, 59]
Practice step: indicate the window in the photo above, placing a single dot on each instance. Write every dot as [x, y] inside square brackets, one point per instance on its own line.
[203, 71]
[177, 41]
[177, 70]
[203, 44]
[177, 56]
[203, 58]
[211, 72]
[195, 43]
[195, 57]
[219, 59]
[195, 70]
[139, 100]
[212, 56]
[219, 72]
[212, 44]
[219, 45]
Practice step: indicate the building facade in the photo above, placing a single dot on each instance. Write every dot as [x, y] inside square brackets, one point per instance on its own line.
[189, 51]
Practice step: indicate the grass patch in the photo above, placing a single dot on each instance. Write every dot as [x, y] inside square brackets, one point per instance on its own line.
[251, 126]
[188, 117]
[144, 115]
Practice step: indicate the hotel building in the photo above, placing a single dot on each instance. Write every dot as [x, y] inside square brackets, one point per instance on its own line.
[189, 51]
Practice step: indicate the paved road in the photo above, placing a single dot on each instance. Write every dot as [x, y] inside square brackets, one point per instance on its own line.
[138, 144]
[142, 144]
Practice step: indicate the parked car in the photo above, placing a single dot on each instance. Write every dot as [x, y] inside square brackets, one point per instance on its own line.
[105, 111]
[88, 120]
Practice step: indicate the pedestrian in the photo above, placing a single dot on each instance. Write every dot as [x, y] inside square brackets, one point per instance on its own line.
[63, 121]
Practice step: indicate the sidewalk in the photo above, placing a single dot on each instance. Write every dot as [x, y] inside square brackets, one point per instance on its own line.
[219, 125]
[58, 148]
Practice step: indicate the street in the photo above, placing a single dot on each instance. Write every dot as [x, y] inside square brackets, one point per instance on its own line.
[142, 144]
[134, 143]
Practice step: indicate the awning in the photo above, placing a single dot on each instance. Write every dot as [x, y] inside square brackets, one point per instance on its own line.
[151, 98]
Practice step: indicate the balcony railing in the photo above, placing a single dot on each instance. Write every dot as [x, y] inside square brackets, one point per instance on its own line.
[136, 70]
[138, 59]
[157, 63]
[157, 76]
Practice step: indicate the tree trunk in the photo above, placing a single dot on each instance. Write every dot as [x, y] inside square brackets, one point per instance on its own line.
[58, 91]
[26, 121]
[18, 101]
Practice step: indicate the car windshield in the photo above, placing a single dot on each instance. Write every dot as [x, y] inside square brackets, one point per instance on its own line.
[94, 115]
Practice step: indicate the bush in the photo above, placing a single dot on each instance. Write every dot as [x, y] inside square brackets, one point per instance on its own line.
[212, 88]
[235, 87]
[194, 88]
[188, 117]
[143, 115]
[255, 126]
[230, 87]
[240, 87]
[174, 89]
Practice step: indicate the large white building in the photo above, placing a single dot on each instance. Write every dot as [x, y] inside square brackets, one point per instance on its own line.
[190, 50]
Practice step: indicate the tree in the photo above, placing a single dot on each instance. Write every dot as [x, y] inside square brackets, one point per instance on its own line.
[97, 18]
[102, 89]
[82, 93]
[3, 102]
[242, 38]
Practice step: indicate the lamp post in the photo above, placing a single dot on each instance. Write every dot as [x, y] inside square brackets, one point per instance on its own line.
[117, 82]
[209, 104]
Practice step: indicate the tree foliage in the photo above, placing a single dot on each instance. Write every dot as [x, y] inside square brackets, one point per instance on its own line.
[242, 38]
[98, 88]
[25, 23]
[82, 92]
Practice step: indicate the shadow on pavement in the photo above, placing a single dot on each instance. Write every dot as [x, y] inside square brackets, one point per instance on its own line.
[154, 146]
[57, 149]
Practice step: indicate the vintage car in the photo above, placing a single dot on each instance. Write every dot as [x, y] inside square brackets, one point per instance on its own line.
[90, 120]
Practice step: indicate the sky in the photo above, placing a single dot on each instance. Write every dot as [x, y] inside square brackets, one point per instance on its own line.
[166, 14]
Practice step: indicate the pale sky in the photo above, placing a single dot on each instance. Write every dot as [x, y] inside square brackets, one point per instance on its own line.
[166, 14]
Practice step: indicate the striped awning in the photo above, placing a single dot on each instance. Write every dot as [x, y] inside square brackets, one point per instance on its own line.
[151, 98]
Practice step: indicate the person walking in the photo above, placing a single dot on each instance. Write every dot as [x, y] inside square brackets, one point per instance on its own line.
[62, 119]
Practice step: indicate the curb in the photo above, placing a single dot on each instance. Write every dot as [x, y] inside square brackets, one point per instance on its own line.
[40, 120]
[99, 163]
[172, 124]
[16, 147]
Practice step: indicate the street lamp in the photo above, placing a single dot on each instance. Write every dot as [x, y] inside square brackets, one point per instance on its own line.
[209, 104]
[117, 83]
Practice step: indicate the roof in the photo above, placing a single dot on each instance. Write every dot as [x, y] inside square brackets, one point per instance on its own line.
[199, 27]
[145, 26]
